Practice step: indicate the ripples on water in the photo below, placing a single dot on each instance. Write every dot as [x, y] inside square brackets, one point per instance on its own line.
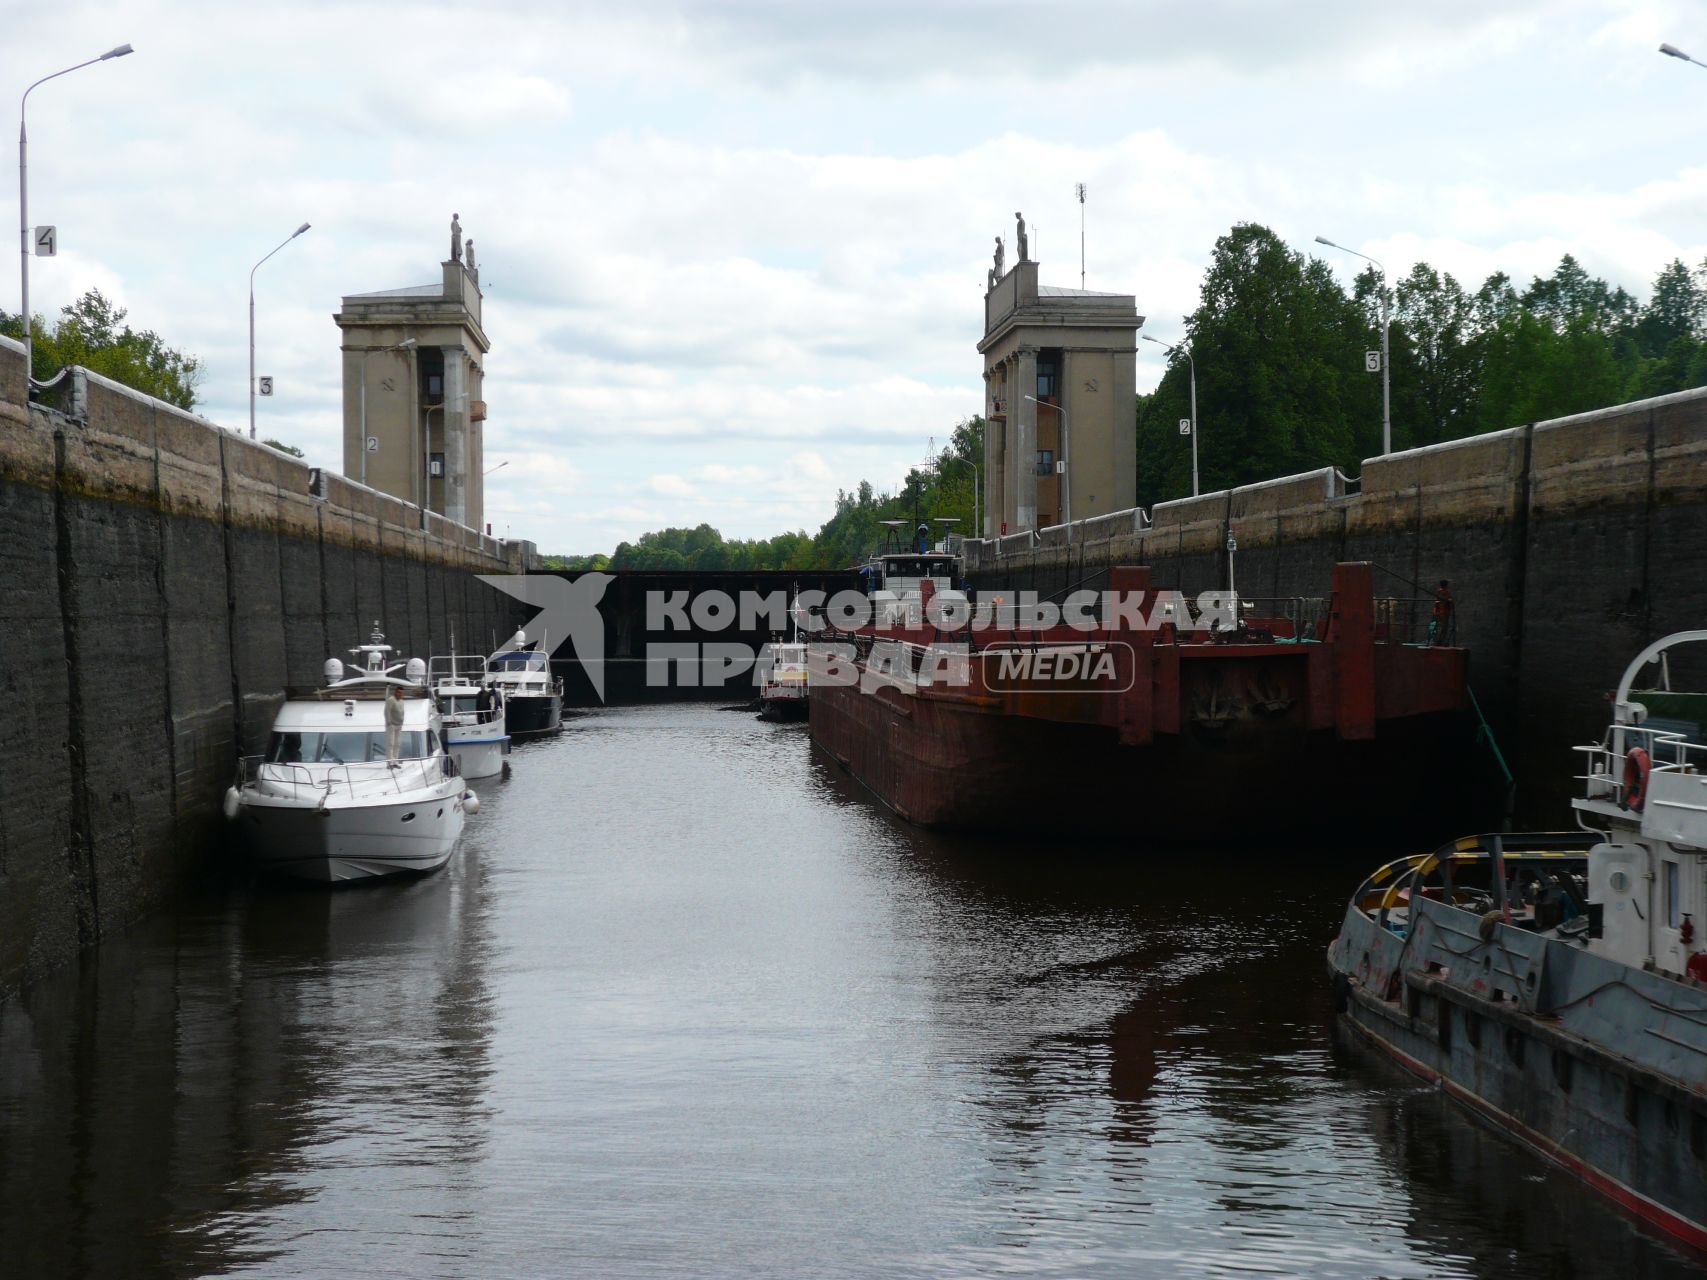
[687, 1003]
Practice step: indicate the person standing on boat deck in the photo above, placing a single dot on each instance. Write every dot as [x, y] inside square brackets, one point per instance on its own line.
[483, 704]
[1440, 623]
[393, 725]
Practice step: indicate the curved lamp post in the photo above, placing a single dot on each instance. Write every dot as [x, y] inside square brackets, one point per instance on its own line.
[1171, 348]
[1386, 317]
[252, 270]
[24, 245]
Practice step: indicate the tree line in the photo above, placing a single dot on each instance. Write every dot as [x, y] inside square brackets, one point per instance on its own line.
[940, 494]
[1282, 386]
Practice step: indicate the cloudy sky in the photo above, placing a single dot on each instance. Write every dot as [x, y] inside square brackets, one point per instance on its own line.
[734, 253]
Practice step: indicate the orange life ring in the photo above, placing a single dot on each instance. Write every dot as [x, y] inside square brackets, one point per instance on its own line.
[1636, 769]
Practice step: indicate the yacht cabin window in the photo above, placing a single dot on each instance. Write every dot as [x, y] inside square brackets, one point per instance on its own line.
[309, 747]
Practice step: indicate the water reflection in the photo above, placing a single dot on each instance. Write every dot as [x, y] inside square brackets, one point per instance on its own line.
[688, 1003]
[164, 1102]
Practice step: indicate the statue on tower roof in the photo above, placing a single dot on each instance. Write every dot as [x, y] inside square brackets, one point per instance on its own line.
[1024, 244]
[455, 239]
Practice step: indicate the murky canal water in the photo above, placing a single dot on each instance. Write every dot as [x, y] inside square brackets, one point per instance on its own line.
[687, 1004]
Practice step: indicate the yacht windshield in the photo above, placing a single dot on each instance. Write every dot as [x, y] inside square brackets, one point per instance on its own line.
[528, 660]
[454, 706]
[915, 567]
[345, 748]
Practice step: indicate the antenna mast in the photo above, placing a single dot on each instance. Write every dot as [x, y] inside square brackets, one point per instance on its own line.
[1079, 190]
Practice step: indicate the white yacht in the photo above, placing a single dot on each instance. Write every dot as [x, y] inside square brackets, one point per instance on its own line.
[332, 800]
[533, 696]
[473, 714]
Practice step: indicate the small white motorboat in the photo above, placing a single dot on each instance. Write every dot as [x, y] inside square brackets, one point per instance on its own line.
[339, 795]
[473, 714]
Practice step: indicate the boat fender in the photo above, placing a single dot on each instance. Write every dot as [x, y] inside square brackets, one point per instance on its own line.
[232, 803]
[1342, 993]
[1637, 765]
[470, 802]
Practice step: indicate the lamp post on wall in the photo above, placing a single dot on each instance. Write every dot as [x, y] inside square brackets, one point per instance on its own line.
[26, 242]
[1066, 467]
[252, 270]
[1171, 348]
[1386, 363]
[427, 451]
[408, 344]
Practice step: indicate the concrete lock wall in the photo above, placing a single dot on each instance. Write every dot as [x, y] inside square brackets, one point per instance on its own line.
[1569, 546]
[165, 580]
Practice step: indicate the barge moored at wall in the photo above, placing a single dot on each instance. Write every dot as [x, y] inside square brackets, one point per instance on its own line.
[1328, 715]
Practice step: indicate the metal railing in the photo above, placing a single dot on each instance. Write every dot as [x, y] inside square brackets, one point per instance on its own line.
[1668, 751]
[300, 782]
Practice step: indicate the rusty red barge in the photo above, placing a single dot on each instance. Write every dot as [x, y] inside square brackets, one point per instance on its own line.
[1327, 715]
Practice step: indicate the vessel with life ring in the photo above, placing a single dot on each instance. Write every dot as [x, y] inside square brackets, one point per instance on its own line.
[1637, 766]
[1553, 983]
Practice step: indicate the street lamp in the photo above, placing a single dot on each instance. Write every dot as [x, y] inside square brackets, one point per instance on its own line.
[977, 495]
[252, 270]
[426, 474]
[1672, 51]
[1171, 348]
[1386, 385]
[408, 344]
[24, 238]
[499, 467]
[1066, 468]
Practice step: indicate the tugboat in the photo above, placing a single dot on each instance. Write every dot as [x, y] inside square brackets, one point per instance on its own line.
[533, 696]
[1554, 985]
[473, 713]
[356, 783]
[781, 672]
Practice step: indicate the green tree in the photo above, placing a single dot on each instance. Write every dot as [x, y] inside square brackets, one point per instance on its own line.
[1439, 369]
[91, 332]
[1280, 377]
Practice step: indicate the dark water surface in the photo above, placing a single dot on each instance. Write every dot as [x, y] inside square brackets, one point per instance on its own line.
[688, 1004]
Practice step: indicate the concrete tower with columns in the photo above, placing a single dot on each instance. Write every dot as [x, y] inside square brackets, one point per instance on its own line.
[1073, 454]
[416, 355]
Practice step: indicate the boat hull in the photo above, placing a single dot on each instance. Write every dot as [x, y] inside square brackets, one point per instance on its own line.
[946, 762]
[529, 715]
[1632, 1133]
[478, 757]
[356, 842]
[779, 709]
